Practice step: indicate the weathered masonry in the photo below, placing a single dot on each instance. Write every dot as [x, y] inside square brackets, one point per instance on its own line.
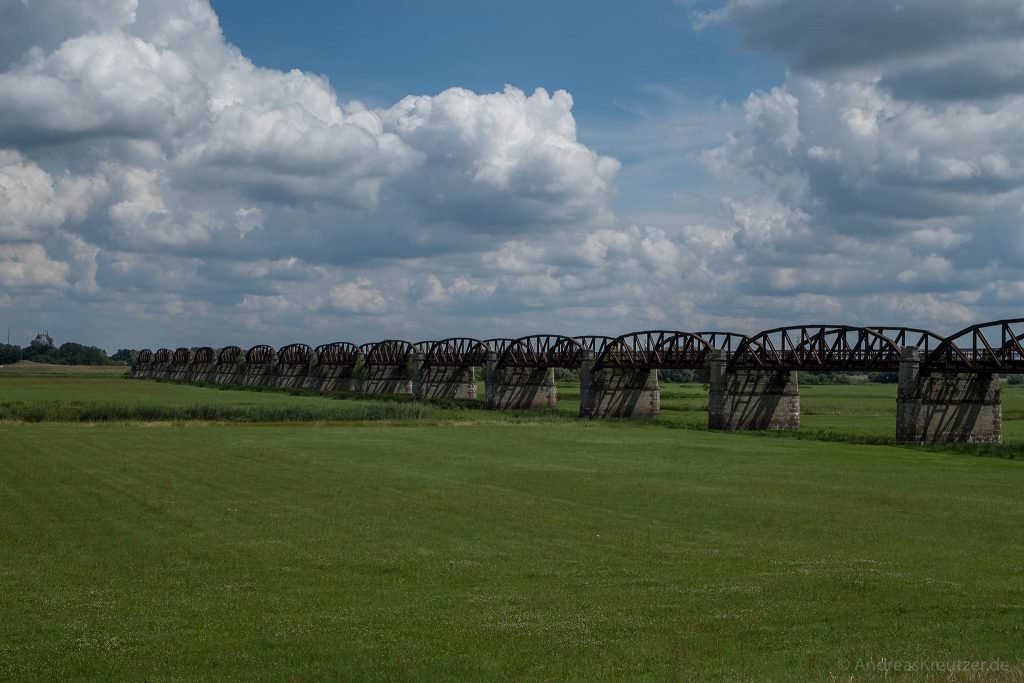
[951, 393]
[387, 367]
[446, 369]
[948, 387]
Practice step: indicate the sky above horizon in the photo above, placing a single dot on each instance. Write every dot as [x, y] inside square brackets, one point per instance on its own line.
[188, 173]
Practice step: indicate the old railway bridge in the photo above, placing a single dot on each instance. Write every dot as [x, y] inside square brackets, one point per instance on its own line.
[948, 386]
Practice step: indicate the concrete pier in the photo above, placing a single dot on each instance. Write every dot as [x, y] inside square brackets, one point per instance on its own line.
[229, 366]
[752, 398]
[618, 392]
[329, 379]
[945, 406]
[386, 379]
[442, 382]
[523, 388]
[181, 365]
[204, 366]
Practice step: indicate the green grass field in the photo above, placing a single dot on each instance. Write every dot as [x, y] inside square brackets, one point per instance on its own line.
[460, 544]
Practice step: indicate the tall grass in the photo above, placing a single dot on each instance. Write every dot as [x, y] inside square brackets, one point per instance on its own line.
[63, 411]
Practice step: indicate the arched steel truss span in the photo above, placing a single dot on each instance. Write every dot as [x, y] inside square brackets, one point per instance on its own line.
[542, 351]
[203, 355]
[594, 342]
[387, 352]
[655, 349]
[987, 347]
[498, 345]
[261, 354]
[162, 356]
[181, 356]
[294, 354]
[831, 348]
[144, 357]
[343, 354]
[229, 355]
[461, 352]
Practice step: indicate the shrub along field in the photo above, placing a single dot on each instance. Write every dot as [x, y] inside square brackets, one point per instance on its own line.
[452, 543]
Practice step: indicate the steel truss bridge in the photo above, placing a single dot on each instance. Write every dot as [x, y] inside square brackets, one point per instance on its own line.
[992, 347]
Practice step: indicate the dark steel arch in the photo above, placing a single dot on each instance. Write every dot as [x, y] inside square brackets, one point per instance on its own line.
[594, 342]
[203, 355]
[996, 346]
[144, 357]
[542, 351]
[294, 354]
[261, 354]
[461, 352]
[723, 341]
[229, 355]
[423, 346]
[337, 353]
[925, 341]
[181, 356]
[818, 348]
[655, 349]
[162, 356]
[498, 345]
[388, 352]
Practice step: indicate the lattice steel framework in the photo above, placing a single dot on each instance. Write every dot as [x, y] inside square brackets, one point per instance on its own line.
[181, 356]
[498, 345]
[387, 352]
[461, 352]
[203, 355]
[542, 351]
[144, 357]
[987, 347]
[162, 356]
[818, 348]
[261, 354]
[229, 355]
[342, 354]
[594, 342]
[294, 354]
[655, 349]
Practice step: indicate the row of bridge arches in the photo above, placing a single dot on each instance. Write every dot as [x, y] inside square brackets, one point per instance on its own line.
[987, 347]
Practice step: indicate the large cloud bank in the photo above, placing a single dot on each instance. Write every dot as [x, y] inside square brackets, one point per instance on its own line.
[146, 163]
[158, 187]
[888, 165]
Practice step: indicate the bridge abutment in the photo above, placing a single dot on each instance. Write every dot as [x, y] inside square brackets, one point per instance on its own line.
[519, 387]
[618, 392]
[946, 406]
[752, 398]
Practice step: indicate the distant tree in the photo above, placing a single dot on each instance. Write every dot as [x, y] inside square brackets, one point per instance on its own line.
[124, 356]
[9, 354]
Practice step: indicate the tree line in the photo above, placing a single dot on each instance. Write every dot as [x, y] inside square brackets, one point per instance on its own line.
[69, 353]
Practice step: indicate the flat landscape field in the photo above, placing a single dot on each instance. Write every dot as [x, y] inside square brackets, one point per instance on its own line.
[153, 531]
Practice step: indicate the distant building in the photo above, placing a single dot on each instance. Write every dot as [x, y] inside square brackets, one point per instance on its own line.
[43, 339]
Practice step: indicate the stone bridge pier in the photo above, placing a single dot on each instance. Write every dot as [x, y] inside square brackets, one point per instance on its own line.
[432, 382]
[387, 379]
[519, 387]
[946, 405]
[618, 392]
[752, 398]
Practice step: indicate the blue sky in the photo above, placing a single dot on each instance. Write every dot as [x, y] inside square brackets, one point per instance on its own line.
[191, 173]
[606, 53]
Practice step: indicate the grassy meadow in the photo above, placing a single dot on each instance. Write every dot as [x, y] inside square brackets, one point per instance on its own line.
[301, 538]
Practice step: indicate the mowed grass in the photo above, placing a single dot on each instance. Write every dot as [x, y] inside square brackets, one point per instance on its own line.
[465, 548]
